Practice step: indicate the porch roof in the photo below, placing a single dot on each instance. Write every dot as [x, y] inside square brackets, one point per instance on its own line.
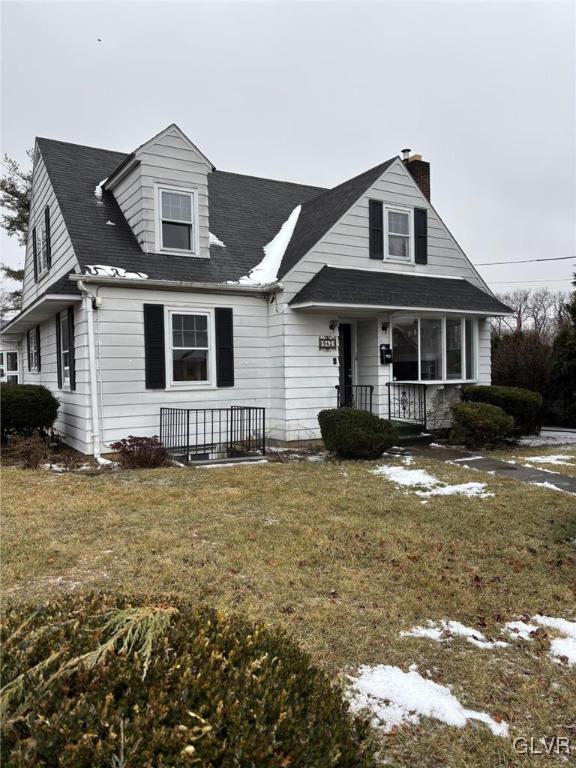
[333, 287]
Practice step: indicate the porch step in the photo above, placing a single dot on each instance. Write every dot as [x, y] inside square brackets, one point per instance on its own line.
[412, 434]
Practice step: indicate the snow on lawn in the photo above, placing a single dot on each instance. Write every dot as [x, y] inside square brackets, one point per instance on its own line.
[446, 629]
[546, 484]
[550, 437]
[395, 698]
[266, 272]
[560, 647]
[562, 459]
[419, 478]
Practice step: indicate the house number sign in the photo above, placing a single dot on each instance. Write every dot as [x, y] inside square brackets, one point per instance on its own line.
[327, 342]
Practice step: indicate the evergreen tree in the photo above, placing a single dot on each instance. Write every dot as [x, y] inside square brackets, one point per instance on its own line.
[15, 194]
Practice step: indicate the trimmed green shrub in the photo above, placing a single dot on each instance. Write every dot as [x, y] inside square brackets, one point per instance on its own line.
[98, 681]
[354, 434]
[140, 452]
[479, 424]
[524, 405]
[26, 409]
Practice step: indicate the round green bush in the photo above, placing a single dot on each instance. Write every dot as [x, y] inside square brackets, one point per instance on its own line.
[27, 408]
[354, 434]
[479, 424]
[524, 405]
[100, 681]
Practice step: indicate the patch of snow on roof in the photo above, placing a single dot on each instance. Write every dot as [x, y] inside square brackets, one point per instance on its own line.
[110, 223]
[104, 270]
[213, 240]
[397, 698]
[267, 271]
[98, 188]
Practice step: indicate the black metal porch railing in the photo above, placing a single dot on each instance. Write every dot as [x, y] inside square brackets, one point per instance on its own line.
[407, 402]
[213, 433]
[359, 396]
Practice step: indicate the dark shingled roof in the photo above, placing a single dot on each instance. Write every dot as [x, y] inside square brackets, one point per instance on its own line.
[245, 213]
[322, 212]
[391, 289]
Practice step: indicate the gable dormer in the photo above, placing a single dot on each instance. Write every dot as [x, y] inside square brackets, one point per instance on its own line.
[162, 190]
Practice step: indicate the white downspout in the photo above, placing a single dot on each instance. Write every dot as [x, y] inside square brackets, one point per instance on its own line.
[87, 300]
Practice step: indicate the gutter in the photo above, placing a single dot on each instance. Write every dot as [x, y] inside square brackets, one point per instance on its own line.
[177, 285]
[88, 300]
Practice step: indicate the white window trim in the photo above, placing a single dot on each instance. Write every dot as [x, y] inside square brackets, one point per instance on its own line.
[63, 317]
[41, 249]
[190, 385]
[34, 351]
[444, 379]
[399, 209]
[194, 238]
[4, 365]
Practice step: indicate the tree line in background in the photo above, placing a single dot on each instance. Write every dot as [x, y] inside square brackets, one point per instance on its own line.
[535, 348]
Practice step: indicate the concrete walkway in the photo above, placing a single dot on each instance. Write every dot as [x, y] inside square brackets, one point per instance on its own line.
[497, 467]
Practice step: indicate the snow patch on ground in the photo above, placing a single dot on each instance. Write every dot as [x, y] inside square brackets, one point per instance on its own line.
[562, 459]
[396, 698]
[231, 464]
[105, 270]
[563, 646]
[420, 478]
[521, 629]
[446, 629]
[550, 437]
[266, 272]
[214, 240]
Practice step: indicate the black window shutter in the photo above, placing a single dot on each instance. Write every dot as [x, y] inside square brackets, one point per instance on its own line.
[71, 353]
[28, 350]
[420, 235]
[376, 227]
[154, 344]
[35, 253]
[58, 352]
[224, 322]
[38, 352]
[48, 243]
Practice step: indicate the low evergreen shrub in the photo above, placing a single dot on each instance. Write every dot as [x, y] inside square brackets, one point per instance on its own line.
[100, 681]
[140, 452]
[355, 434]
[27, 409]
[476, 425]
[524, 405]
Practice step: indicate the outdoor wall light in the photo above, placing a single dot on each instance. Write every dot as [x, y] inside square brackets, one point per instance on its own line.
[384, 327]
[333, 325]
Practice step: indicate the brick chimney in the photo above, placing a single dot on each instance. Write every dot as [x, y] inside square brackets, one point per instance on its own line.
[419, 170]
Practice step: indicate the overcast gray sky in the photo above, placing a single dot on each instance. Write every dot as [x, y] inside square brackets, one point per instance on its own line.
[317, 93]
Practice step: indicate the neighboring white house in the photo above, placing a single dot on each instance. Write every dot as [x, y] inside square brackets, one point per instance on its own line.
[154, 280]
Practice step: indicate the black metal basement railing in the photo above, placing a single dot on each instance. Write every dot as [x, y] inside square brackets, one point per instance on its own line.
[359, 396]
[196, 434]
[407, 402]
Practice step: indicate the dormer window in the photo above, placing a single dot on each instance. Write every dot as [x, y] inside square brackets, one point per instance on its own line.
[177, 215]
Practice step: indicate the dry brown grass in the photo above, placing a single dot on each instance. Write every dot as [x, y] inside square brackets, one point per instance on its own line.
[523, 455]
[339, 558]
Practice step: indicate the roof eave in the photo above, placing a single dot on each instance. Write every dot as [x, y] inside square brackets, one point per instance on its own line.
[179, 285]
[42, 309]
[338, 306]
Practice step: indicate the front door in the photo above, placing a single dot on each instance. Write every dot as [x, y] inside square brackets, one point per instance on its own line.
[345, 362]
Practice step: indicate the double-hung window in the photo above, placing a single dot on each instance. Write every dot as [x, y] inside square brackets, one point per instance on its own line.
[34, 351]
[190, 347]
[398, 233]
[41, 249]
[64, 348]
[9, 367]
[177, 212]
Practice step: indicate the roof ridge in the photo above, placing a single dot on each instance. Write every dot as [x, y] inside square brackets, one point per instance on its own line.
[267, 178]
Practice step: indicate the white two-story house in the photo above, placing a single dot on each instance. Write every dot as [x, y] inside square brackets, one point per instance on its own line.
[154, 280]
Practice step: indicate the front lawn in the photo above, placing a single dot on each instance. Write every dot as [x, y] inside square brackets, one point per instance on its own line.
[557, 458]
[344, 561]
